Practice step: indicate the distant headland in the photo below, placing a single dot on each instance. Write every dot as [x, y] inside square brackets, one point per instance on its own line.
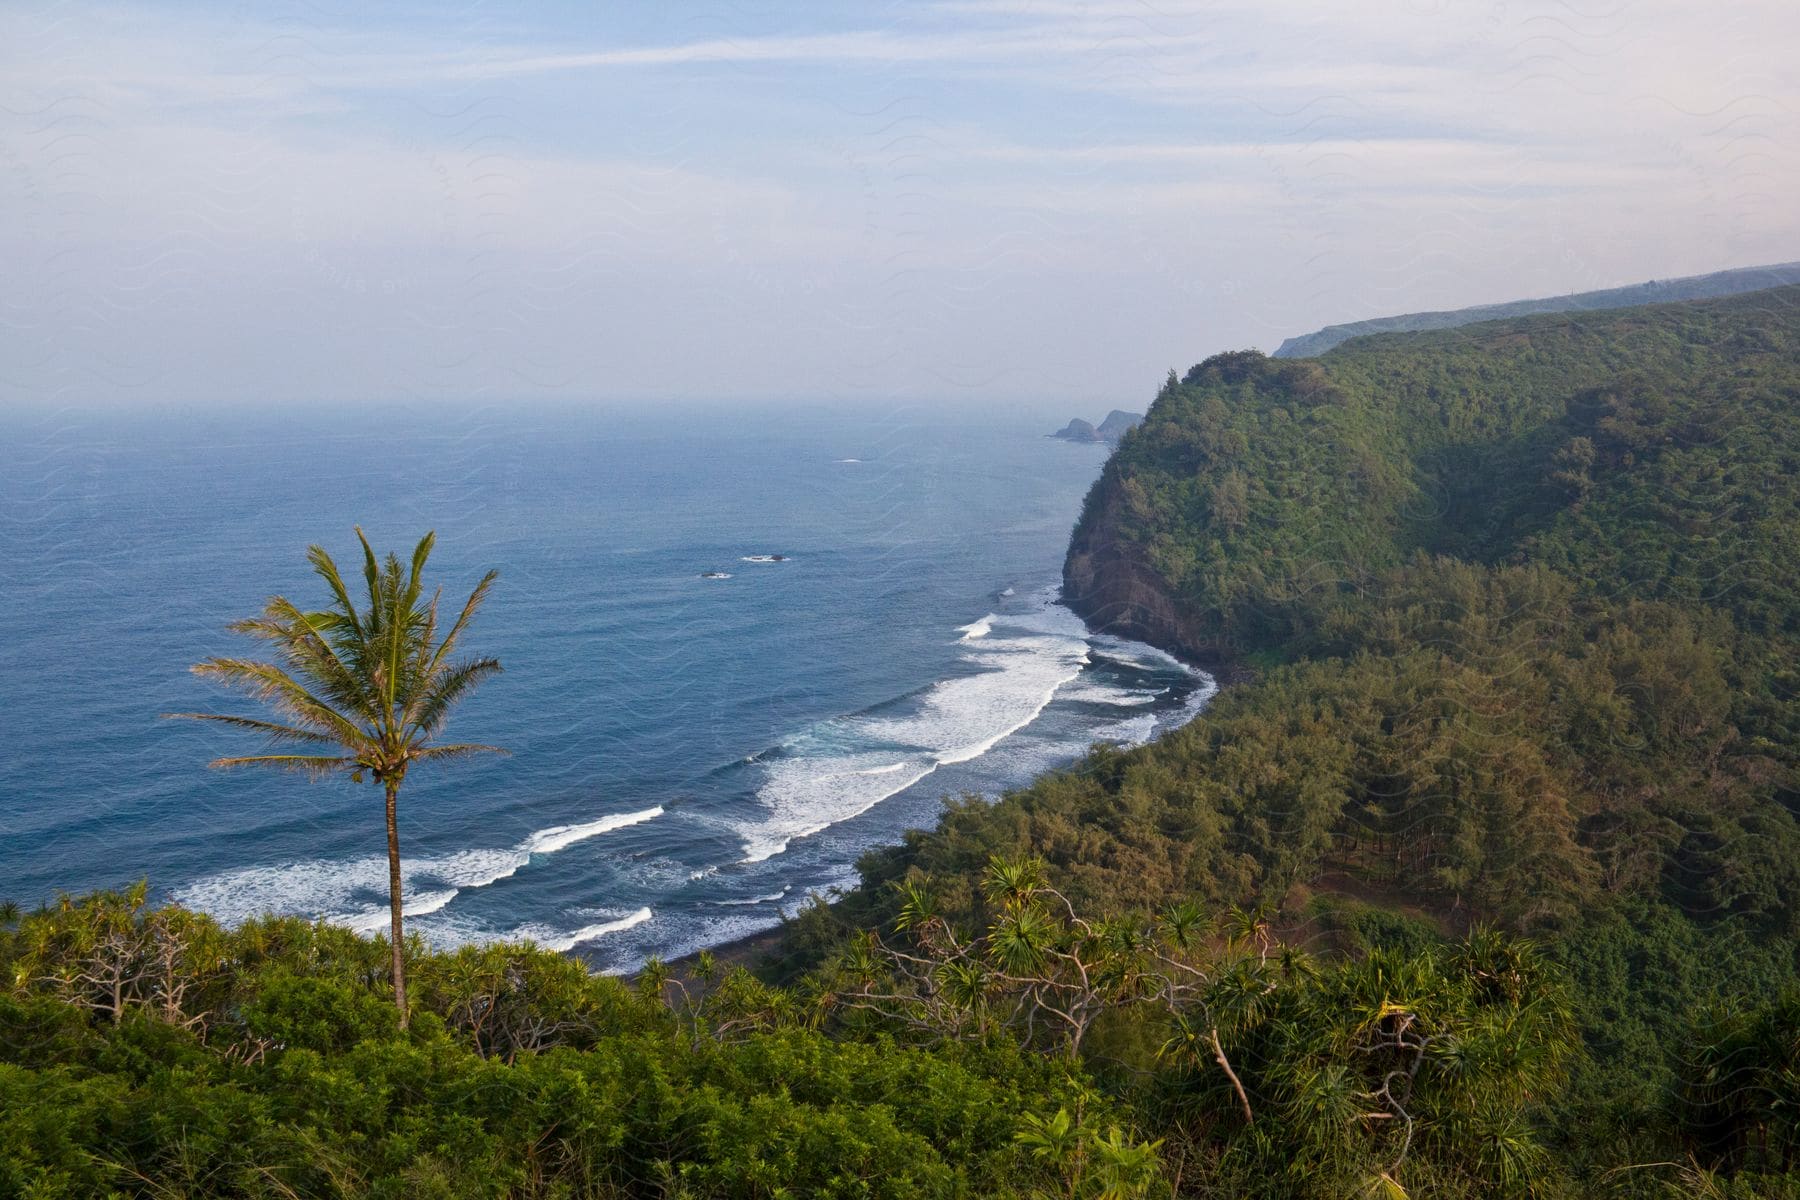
[1656, 291]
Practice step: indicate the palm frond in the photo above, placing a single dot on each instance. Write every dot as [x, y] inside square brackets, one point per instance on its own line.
[295, 635]
[457, 750]
[260, 627]
[425, 644]
[421, 552]
[432, 707]
[308, 764]
[311, 653]
[378, 684]
[469, 608]
[276, 733]
[372, 574]
[275, 687]
[326, 569]
[393, 638]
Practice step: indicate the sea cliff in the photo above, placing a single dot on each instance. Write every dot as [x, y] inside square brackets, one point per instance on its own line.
[1109, 582]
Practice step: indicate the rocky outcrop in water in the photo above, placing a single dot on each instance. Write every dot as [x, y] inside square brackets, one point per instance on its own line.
[1117, 424]
[1078, 430]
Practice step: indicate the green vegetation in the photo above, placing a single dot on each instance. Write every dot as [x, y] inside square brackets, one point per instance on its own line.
[150, 1053]
[1520, 601]
[1482, 883]
[371, 689]
[1657, 291]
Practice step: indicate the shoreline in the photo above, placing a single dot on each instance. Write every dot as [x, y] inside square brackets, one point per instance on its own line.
[747, 951]
[752, 949]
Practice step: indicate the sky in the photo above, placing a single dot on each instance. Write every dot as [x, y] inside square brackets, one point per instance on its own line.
[964, 200]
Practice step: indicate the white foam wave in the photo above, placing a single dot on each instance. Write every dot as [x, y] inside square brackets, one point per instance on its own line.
[771, 898]
[977, 629]
[557, 837]
[827, 776]
[977, 749]
[806, 795]
[331, 889]
[719, 929]
[553, 940]
[1133, 732]
[1146, 657]
[1139, 654]
[375, 920]
[1047, 615]
[1196, 704]
[1116, 697]
[963, 718]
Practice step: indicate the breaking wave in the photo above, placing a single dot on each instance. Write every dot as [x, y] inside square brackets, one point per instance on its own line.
[841, 768]
[551, 939]
[340, 891]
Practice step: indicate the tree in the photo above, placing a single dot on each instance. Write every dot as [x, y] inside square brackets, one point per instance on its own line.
[358, 693]
[1231, 501]
[1574, 465]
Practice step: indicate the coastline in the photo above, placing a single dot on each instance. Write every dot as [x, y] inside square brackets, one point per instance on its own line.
[749, 952]
[753, 950]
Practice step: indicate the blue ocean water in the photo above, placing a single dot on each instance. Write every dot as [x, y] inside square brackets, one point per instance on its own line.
[691, 755]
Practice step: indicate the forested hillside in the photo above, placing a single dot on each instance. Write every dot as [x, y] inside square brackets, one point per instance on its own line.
[1514, 612]
[1655, 291]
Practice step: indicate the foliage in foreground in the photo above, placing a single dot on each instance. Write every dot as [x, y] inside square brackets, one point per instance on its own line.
[150, 1052]
[1265, 1070]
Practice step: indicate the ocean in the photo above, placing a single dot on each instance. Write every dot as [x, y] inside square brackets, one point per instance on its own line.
[743, 644]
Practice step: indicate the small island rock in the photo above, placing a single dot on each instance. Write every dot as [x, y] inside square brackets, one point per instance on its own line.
[1078, 430]
[1110, 430]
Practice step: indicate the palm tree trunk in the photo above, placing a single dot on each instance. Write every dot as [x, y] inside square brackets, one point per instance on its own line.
[397, 935]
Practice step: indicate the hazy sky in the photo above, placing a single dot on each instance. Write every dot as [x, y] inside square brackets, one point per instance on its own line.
[970, 200]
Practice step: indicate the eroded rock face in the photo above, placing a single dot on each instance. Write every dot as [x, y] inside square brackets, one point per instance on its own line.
[1108, 583]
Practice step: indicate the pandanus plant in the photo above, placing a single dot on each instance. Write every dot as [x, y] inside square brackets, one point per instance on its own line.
[359, 693]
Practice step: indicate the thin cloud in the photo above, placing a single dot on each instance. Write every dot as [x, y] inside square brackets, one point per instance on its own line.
[592, 207]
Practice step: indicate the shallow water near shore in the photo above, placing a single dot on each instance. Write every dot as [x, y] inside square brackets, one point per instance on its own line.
[743, 644]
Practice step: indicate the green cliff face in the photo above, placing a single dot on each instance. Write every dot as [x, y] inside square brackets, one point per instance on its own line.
[1644, 451]
[1522, 599]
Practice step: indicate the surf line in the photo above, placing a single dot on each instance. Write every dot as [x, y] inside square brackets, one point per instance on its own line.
[587, 933]
[326, 889]
[800, 804]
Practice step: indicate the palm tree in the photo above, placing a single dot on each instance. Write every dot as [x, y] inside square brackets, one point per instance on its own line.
[364, 694]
